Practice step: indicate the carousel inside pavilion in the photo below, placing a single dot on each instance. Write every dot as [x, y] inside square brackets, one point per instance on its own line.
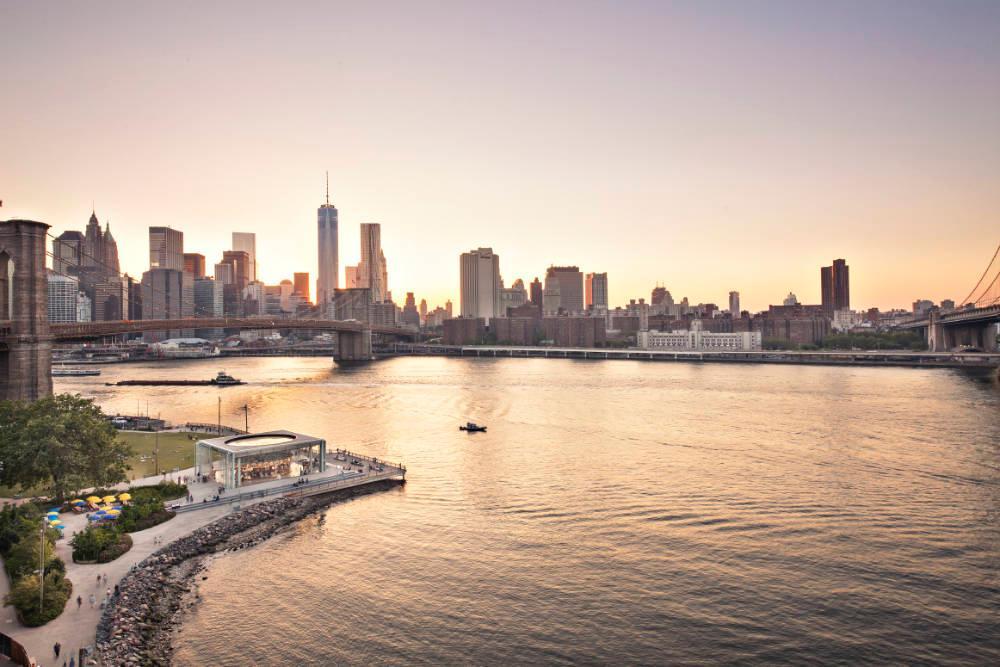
[240, 460]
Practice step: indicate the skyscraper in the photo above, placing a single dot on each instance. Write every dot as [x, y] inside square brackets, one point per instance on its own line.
[536, 292]
[596, 290]
[563, 289]
[372, 272]
[480, 283]
[301, 282]
[835, 286]
[240, 261]
[247, 242]
[734, 304]
[166, 248]
[67, 251]
[194, 263]
[329, 269]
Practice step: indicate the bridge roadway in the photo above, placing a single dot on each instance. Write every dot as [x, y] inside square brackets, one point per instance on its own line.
[838, 358]
[963, 316]
[91, 330]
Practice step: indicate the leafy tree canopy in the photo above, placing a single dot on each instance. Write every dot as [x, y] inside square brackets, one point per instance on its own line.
[63, 441]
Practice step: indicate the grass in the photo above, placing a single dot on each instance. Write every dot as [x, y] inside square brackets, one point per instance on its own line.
[176, 451]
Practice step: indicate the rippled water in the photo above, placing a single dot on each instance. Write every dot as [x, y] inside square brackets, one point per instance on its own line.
[615, 512]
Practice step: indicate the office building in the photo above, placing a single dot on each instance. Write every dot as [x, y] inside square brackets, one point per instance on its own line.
[734, 303]
[208, 298]
[479, 288]
[410, 316]
[111, 299]
[247, 242]
[327, 280]
[67, 253]
[301, 282]
[563, 290]
[240, 261]
[536, 292]
[351, 277]
[194, 263]
[166, 249]
[371, 271]
[167, 294]
[512, 297]
[835, 286]
[596, 291]
[225, 273]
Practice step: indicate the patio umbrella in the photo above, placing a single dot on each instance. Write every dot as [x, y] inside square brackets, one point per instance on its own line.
[125, 496]
[93, 499]
[53, 515]
[109, 499]
[76, 502]
[113, 513]
[55, 522]
[94, 517]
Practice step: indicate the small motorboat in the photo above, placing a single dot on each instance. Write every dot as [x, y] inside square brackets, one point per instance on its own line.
[471, 427]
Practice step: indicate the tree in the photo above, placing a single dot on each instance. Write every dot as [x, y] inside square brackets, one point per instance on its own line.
[63, 440]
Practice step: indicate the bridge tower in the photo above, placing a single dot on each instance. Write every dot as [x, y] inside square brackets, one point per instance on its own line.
[25, 343]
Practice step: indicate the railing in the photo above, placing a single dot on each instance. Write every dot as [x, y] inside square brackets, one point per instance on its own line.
[345, 480]
[214, 428]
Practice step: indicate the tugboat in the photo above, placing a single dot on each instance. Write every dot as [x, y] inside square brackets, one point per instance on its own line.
[472, 427]
[225, 379]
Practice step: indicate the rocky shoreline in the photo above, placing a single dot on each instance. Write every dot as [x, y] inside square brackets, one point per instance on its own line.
[137, 626]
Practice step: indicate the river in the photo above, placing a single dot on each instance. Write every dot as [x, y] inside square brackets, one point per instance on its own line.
[614, 512]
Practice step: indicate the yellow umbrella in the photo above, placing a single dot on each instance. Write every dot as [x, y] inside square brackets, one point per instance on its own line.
[55, 522]
[75, 501]
[93, 499]
[109, 499]
[125, 496]
[112, 512]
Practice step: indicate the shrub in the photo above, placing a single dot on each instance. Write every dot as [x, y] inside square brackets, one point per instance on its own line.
[143, 513]
[161, 491]
[24, 557]
[24, 596]
[100, 543]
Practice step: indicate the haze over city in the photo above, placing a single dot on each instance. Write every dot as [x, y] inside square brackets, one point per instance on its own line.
[699, 146]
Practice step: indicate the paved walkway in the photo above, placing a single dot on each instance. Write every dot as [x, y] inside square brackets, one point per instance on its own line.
[77, 627]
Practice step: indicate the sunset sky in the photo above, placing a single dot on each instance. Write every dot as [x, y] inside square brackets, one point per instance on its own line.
[706, 146]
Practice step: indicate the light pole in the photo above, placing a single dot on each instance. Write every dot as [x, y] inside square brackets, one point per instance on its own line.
[41, 570]
[220, 415]
[246, 416]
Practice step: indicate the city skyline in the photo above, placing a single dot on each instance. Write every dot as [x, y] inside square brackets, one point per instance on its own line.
[752, 164]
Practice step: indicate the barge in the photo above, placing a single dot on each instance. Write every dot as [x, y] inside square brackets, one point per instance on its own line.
[220, 380]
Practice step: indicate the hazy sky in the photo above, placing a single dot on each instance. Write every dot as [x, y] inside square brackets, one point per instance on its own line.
[707, 146]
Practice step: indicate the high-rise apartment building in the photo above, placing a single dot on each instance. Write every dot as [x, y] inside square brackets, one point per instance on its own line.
[372, 272]
[596, 291]
[480, 284]
[167, 294]
[166, 248]
[247, 242]
[63, 293]
[563, 290]
[835, 286]
[327, 280]
[67, 253]
[301, 283]
[734, 304]
[194, 263]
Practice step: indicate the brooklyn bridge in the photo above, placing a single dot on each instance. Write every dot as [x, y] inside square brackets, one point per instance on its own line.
[26, 336]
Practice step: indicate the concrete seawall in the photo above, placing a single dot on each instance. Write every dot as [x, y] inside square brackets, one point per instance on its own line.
[902, 358]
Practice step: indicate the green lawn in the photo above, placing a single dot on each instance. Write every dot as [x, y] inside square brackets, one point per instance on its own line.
[176, 450]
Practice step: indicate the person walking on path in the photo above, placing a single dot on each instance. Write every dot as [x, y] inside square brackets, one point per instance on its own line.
[92, 600]
[79, 602]
[105, 578]
[57, 647]
[98, 580]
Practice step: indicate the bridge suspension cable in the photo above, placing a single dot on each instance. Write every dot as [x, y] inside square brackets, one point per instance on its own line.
[986, 271]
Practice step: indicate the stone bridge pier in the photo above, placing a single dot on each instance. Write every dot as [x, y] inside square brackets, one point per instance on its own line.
[354, 346]
[25, 343]
[943, 337]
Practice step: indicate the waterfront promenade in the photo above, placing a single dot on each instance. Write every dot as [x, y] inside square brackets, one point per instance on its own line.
[818, 357]
[76, 627]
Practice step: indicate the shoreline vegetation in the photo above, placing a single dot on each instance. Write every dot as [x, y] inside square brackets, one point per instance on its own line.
[139, 624]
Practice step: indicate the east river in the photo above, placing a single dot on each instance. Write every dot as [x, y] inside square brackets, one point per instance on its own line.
[615, 512]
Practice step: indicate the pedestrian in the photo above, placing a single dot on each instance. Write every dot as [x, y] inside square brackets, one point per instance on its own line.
[98, 580]
[79, 602]
[116, 590]
[72, 663]
[109, 594]
[105, 578]
[92, 600]
[57, 647]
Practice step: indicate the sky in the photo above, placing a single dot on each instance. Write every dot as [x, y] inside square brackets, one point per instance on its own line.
[705, 146]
